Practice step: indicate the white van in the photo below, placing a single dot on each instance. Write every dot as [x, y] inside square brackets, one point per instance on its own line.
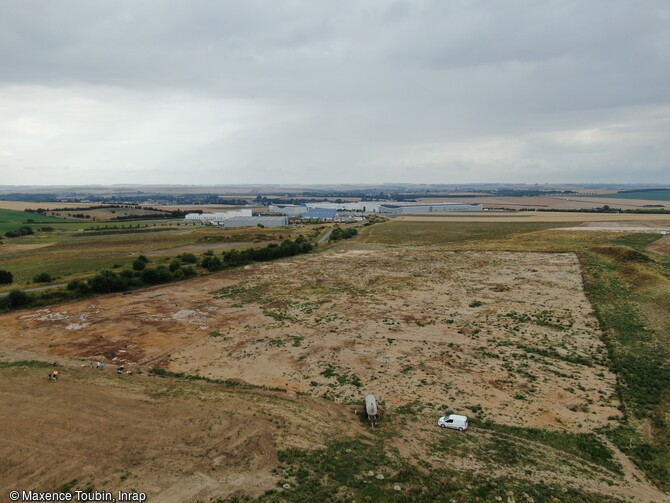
[454, 421]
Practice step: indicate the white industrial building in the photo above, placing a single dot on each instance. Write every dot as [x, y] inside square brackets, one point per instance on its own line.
[213, 218]
[419, 208]
[297, 210]
[292, 210]
[249, 221]
[366, 206]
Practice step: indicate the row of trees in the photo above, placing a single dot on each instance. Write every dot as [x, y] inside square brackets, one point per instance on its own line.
[287, 248]
[21, 231]
[7, 278]
[143, 274]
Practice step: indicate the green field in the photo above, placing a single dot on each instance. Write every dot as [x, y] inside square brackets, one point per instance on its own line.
[435, 233]
[11, 220]
[82, 249]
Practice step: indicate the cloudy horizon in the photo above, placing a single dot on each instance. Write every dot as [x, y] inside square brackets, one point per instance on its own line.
[163, 92]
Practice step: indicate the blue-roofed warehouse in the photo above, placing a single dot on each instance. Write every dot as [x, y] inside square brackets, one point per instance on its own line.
[320, 213]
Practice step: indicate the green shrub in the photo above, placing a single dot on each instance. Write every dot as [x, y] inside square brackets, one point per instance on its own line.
[107, 282]
[188, 258]
[158, 275]
[339, 233]
[78, 285]
[6, 277]
[18, 298]
[211, 263]
[22, 231]
[43, 277]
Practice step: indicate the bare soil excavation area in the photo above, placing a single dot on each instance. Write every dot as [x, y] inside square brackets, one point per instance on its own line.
[510, 334]
[503, 336]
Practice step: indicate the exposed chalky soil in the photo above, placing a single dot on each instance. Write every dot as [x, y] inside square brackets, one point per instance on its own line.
[500, 336]
[507, 335]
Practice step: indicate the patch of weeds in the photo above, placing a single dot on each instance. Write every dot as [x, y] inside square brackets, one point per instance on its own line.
[297, 340]
[277, 315]
[368, 471]
[411, 408]
[543, 319]
[342, 379]
[584, 445]
[161, 372]
[26, 363]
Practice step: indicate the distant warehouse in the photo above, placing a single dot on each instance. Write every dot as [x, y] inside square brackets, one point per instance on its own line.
[419, 208]
[217, 217]
[320, 214]
[255, 221]
[293, 210]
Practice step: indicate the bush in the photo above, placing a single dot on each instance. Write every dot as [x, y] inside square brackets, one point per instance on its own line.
[139, 265]
[155, 276]
[23, 231]
[6, 277]
[212, 263]
[43, 277]
[339, 233]
[18, 298]
[175, 265]
[189, 272]
[107, 282]
[78, 285]
[273, 251]
[127, 273]
[188, 258]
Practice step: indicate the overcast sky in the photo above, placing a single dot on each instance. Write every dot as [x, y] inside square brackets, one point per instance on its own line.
[204, 92]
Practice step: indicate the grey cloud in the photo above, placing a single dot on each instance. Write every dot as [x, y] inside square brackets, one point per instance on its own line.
[293, 91]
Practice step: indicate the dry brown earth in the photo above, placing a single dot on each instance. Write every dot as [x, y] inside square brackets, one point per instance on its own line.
[422, 327]
[176, 441]
[511, 333]
[555, 202]
[660, 221]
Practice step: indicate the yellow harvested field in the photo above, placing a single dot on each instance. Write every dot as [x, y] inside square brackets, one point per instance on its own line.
[22, 205]
[657, 220]
[553, 202]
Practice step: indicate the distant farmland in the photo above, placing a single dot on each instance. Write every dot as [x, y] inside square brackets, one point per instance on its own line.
[11, 220]
[652, 195]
